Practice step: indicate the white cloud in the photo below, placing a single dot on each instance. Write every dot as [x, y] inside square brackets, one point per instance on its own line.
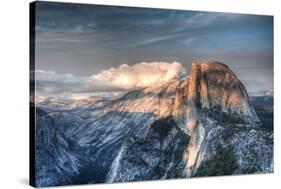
[139, 75]
[154, 40]
[201, 19]
[51, 76]
[74, 97]
[189, 41]
[124, 77]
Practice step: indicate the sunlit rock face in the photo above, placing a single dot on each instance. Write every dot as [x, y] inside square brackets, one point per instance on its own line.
[214, 85]
[203, 125]
[220, 87]
[213, 89]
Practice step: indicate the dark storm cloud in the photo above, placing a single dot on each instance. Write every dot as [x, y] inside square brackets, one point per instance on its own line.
[83, 40]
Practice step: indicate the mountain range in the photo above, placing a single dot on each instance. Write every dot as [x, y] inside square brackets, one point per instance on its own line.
[203, 125]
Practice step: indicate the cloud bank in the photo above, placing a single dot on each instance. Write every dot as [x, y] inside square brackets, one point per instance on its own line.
[122, 78]
[51, 76]
[139, 75]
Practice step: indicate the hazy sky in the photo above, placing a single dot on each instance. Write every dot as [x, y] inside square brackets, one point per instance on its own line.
[80, 41]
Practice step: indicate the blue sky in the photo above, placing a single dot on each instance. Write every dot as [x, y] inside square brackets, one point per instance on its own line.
[84, 40]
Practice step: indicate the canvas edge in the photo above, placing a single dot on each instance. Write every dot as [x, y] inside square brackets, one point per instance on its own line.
[32, 15]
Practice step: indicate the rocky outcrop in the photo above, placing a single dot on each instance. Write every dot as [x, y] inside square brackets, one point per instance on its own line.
[212, 87]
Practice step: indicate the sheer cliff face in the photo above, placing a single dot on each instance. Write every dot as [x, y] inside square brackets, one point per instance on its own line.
[220, 87]
[201, 126]
[211, 86]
